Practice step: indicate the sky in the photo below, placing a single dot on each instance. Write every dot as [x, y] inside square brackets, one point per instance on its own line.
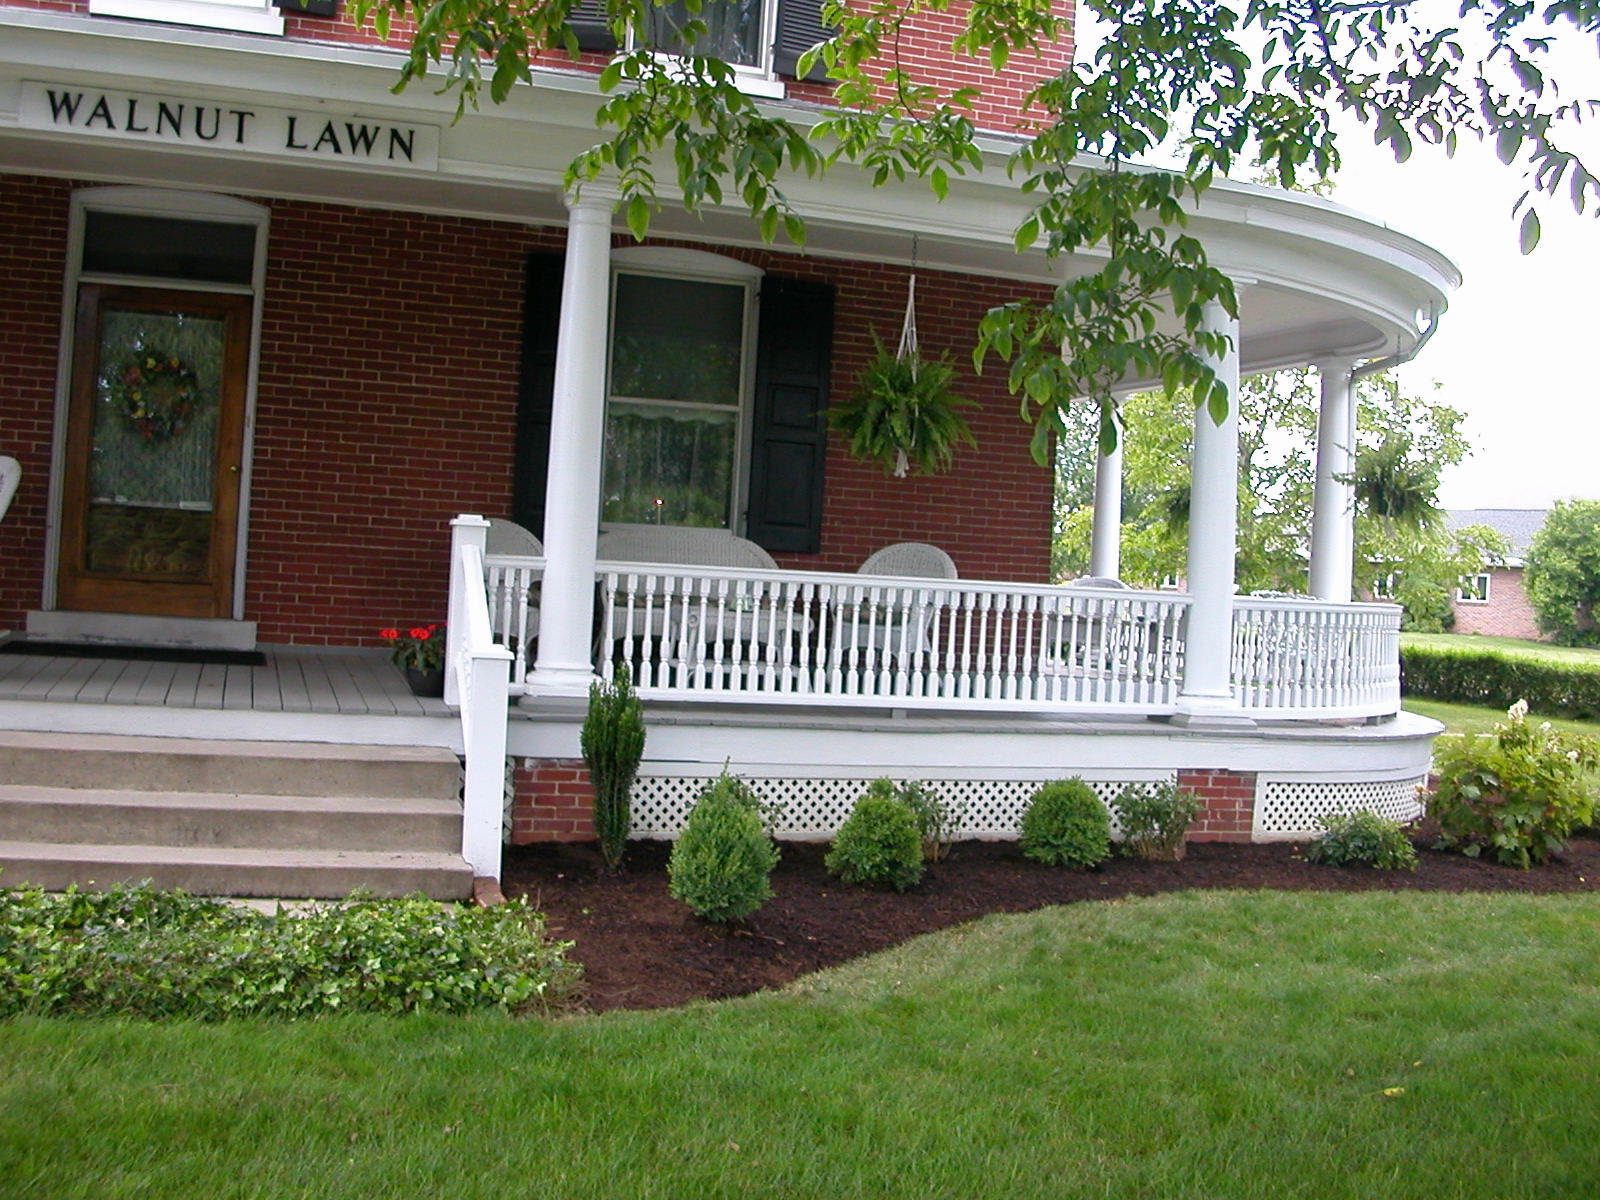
[1516, 351]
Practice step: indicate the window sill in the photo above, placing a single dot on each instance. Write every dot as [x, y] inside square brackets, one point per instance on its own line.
[205, 14]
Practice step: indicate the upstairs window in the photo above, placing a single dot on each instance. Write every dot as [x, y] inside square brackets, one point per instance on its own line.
[762, 39]
[736, 31]
[246, 16]
[1474, 589]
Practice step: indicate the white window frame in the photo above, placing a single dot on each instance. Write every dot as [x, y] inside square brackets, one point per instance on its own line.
[698, 266]
[753, 79]
[1479, 583]
[244, 16]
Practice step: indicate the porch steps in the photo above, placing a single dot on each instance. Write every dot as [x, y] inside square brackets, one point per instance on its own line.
[229, 818]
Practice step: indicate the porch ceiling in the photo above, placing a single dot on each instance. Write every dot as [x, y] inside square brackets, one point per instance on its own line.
[1315, 279]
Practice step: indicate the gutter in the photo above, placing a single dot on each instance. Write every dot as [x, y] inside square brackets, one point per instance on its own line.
[1395, 360]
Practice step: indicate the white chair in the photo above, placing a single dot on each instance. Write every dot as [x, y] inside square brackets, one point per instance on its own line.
[512, 540]
[899, 631]
[914, 560]
[10, 476]
[682, 545]
[507, 537]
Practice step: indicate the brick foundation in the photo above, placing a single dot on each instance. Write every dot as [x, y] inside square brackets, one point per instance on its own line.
[1229, 799]
[554, 801]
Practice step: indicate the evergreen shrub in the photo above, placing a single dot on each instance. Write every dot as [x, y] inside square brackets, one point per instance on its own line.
[1363, 839]
[880, 843]
[612, 742]
[937, 819]
[1066, 825]
[721, 864]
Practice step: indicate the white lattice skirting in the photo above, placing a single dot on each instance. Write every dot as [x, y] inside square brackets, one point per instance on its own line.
[812, 809]
[1289, 807]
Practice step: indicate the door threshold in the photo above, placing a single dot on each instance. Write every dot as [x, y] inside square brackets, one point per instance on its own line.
[200, 633]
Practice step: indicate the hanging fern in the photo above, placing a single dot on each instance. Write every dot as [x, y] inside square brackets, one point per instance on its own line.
[1392, 486]
[903, 414]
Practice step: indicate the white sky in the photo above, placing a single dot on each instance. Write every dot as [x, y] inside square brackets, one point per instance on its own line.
[1517, 349]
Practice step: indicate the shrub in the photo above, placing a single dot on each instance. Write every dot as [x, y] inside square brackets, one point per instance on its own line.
[936, 817]
[1516, 793]
[1065, 825]
[1154, 819]
[612, 741]
[722, 861]
[1363, 838]
[879, 843]
[138, 952]
[1495, 680]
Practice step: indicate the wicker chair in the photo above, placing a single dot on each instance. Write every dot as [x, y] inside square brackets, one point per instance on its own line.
[681, 545]
[914, 560]
[897, 634]
[10, 476]
[507, 537]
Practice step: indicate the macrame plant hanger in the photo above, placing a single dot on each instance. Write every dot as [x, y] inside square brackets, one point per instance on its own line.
[908, 350]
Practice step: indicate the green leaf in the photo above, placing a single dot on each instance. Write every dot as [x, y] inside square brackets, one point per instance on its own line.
[1529, 236]
[638, 216]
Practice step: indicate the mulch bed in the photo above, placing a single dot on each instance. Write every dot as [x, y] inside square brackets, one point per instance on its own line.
[642, 949]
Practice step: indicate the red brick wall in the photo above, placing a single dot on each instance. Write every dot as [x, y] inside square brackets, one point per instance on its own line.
[387, 404]
[924, 53]
[554, 801]
[1228, 799]
[33, 246]
[1507, 613]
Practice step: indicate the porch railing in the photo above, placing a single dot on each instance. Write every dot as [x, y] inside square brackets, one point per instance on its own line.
[476, 681]
[1316, 657]
[815, 638]
[808, 637]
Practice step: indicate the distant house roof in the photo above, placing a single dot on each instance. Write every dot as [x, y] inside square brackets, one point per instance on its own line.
[1517, 524]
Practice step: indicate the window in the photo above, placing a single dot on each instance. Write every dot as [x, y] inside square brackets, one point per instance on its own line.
[1474, 589]
[737, 31]
[675, 416]
[762, 38]
[1383, 586]
[247, 16]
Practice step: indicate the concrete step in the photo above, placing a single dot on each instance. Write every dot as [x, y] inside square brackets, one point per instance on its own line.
[103, 761]
[225, 872]
[105, 817]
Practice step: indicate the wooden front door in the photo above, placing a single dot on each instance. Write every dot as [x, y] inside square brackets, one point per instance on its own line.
[155, 431]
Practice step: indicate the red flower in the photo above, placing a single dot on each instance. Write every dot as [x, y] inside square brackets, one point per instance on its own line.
[389, 634]
[422, 634]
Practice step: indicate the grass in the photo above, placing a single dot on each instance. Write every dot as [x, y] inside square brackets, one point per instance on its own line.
[1218, 1045]
[1471, 718]
[1581, 655]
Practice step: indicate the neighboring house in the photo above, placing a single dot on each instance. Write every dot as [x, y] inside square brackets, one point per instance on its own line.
[376, 318]
[1493, 601]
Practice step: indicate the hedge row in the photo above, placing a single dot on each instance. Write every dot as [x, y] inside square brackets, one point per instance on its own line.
[1495, 680]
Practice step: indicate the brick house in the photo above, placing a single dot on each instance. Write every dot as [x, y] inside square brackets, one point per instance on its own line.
[1493, 601]
[376, 320]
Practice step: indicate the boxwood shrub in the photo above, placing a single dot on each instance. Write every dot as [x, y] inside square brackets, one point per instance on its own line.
[1066, 825]
[880, 843]
[1495, 680]
[721, 864]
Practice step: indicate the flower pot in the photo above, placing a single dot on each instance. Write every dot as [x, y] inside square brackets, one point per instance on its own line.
[429, 682]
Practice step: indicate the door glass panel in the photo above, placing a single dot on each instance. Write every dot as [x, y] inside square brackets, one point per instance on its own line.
[153, 444]
[669, 465]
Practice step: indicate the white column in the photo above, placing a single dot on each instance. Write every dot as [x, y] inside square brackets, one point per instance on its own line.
[1105, 551]
[577, 430]
[1333, 510]
[1207, 694]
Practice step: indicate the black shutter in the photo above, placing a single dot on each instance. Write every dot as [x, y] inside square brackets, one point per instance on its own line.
[588, 21]
[541, 314]
[800, 27]
[789, 436]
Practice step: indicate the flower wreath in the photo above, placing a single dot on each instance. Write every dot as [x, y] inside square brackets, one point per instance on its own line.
[157, 392]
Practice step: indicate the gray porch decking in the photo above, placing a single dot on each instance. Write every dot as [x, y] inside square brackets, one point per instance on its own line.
[294, 680]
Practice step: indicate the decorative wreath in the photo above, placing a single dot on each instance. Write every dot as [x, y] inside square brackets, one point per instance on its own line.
[157, 392]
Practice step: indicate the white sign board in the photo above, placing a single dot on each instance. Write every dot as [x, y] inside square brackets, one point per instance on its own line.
[228, 126]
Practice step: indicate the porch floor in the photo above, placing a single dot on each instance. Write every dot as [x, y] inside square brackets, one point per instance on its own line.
[294, 680]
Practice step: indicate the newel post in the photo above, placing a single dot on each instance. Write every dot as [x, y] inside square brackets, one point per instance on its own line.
[468, 529]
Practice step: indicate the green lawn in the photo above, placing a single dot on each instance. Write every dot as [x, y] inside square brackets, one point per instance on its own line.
[1476, 641]
[1470, 718]
[1223, 1046]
